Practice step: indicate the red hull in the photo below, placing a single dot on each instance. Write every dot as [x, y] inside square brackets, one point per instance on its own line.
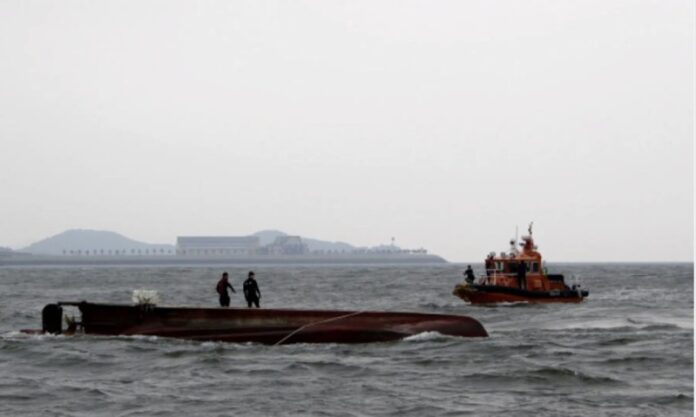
[269, 326]
[491, 296]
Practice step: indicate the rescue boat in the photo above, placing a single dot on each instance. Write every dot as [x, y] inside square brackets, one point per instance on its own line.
[267, 326]
[519, 276]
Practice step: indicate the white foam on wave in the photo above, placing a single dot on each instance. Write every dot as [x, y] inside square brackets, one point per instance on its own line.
[17, 335]
[589, 324]
[511, 303]
[147, 338]
[639, 322]
[425, 337]
[12, 334]
[680, 322]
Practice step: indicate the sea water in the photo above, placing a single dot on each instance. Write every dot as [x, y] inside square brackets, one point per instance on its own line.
[626, 351]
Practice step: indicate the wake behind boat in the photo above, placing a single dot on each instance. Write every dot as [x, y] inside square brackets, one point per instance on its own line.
[267, 326]
[518, 277]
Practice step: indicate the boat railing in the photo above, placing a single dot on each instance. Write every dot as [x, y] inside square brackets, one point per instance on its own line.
[494, 275]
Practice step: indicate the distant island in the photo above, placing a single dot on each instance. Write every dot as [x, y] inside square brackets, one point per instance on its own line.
[79, 246]
[93, 242]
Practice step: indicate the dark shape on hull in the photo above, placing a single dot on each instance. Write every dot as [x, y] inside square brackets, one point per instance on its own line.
[52, 319]
[268, 326]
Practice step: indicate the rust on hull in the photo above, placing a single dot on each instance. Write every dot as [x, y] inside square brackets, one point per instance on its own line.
[268, 326]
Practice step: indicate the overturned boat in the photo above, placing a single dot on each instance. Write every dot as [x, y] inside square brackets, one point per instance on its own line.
[267, 326]
[519, 276]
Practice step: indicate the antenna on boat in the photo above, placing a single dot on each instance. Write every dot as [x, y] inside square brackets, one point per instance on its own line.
[513, 244]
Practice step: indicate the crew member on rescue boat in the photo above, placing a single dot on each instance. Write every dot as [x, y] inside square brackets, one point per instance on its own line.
[489, 264]
[469, 274]
[522, 275]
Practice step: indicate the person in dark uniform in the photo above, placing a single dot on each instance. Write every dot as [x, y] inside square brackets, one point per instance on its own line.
[489, 265]
[221, 289]
[522, 275]
[251, 290]
[469, 274]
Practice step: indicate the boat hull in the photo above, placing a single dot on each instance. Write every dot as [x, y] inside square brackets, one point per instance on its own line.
[492, 294]
[268, 326]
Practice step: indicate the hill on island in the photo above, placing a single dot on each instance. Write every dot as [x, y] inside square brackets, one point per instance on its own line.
[99, 240]
[104, 241]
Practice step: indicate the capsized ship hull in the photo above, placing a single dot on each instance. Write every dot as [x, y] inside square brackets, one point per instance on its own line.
[268, 326]
[491, 294]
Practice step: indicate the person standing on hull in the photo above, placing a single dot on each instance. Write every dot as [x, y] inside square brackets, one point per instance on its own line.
[251, 291]
[221, 289]
[522, 275]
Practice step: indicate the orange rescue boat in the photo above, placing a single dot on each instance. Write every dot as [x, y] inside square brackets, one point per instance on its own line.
[518, 276]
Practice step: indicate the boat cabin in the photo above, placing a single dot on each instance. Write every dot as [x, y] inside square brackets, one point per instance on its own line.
[504, 269]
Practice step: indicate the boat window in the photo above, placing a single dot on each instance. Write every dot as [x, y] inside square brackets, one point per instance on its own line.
[512, 267]
[535, 267]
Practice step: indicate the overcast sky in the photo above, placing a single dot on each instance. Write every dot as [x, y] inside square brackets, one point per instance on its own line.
[444, 124]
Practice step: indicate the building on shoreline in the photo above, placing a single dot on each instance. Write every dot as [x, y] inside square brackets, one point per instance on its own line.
[286, 245]
[216, 245]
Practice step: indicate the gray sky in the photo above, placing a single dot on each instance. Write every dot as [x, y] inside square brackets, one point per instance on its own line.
[444, 124]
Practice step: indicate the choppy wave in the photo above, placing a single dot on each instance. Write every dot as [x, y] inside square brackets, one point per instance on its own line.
[426, 337]
[627, 350]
